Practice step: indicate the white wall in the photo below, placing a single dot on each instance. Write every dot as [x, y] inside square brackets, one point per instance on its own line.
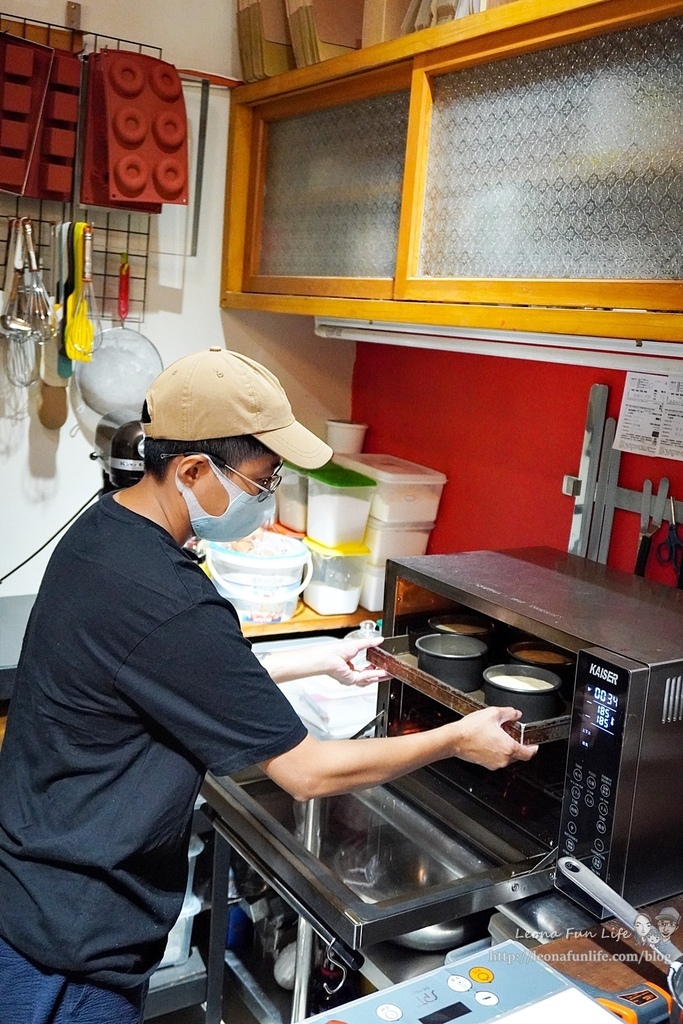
[46, 475]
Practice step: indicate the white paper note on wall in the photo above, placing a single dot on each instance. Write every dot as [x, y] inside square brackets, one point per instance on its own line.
[651, 415]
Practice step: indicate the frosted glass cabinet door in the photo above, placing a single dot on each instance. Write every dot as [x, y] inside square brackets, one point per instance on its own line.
[333, 190]
[565, 163]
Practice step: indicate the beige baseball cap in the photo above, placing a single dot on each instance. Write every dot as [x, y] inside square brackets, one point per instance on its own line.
[218, 393]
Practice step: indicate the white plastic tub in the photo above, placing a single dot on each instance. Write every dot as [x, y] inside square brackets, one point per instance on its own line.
[391, 540]
[338, 505]
[178, 945]
[336, 579]
[372, 590]
[406, 492]
[262, 583]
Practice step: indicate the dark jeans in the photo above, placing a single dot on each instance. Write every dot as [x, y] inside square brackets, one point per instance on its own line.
[35, 995]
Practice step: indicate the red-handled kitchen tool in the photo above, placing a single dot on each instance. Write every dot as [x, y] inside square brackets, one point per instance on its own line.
[124, 288]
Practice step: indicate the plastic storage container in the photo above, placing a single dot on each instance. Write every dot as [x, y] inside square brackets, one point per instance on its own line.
[270, 561]
[391, 540]
[372, 589]
[406, 492]
[292, 499]
[196, 847]
[338, 505]
[262, 583]
[336, 579]
[178, 945]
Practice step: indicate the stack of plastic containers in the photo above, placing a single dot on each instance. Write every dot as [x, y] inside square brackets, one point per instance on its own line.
[338, 507]
[401, 516]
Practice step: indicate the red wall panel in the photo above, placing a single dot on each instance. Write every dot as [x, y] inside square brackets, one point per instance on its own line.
[505, 432]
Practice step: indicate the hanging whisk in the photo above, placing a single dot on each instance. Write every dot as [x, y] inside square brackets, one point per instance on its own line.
[11, 322]
[22, 349]
[38, 313]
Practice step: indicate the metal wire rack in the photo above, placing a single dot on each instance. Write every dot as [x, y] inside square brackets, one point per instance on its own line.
[114, 231]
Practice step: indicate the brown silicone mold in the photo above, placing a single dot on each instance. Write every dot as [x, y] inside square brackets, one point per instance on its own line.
[24, 73]
[136, 137]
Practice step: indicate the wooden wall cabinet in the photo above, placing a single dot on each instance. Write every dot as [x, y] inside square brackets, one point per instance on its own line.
[518, 169]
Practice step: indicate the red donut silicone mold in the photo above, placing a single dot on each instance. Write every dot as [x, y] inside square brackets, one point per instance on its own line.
[135, 152]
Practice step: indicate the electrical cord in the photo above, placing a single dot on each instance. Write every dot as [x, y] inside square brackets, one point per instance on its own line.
[50, 539]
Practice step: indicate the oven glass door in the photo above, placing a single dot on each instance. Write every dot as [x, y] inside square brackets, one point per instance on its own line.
[383, 866]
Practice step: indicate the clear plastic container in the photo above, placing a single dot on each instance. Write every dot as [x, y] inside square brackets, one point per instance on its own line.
[338, 505]
[263, 583]
[337, 576]
[292, 499]
[391, 540]
[178, 944]
[372, 590]
[367, 630]
[406, 492]
[264, 562]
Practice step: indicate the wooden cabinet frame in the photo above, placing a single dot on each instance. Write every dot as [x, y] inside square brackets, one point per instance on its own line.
[602, 307]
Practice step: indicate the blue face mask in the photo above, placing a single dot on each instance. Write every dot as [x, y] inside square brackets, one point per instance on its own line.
[244, 514]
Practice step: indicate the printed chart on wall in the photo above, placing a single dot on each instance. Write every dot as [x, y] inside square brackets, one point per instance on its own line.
[651, 415]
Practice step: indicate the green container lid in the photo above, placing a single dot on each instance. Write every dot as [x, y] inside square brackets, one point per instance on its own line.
[337, 476]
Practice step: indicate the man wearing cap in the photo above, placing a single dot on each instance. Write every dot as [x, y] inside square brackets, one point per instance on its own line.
[135, 679]
[668, 920]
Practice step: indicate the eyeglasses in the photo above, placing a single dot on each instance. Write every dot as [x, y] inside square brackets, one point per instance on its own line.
[267, 485]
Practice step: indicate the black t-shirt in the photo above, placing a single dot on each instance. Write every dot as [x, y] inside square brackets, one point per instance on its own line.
[134, 679]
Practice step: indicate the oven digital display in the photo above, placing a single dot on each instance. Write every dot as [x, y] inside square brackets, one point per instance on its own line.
[601, 710]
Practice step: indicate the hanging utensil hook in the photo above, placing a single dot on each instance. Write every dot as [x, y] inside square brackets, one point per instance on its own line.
[342, 967]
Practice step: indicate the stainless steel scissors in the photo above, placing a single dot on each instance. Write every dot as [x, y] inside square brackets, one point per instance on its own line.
[671, 549]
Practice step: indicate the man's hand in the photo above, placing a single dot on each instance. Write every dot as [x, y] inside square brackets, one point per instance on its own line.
[478, 737]
[339, 662]
[325, 767]
[333, 659]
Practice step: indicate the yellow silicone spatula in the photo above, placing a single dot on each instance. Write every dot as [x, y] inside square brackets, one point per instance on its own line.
[79, 333]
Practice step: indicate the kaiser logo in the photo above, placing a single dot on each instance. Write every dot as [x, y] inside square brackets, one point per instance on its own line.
[602, 673]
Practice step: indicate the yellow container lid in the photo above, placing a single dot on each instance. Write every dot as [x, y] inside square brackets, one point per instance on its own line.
[341, 551]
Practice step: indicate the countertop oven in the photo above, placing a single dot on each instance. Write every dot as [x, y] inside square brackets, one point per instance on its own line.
[452, 840]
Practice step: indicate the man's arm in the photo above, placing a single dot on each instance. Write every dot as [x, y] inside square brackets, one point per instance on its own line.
[327, 767]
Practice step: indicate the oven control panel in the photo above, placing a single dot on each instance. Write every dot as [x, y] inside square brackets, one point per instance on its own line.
[504, 981]
[595, 746]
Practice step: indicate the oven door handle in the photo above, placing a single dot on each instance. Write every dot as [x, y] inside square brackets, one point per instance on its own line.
[351, 958]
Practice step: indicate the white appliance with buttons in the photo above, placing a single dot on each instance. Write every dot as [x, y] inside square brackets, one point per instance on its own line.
[504, 982]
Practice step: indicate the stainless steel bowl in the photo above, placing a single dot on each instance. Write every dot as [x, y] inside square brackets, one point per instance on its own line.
[446, 935]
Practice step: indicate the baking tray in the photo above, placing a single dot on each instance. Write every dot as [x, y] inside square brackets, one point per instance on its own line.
[394, 656]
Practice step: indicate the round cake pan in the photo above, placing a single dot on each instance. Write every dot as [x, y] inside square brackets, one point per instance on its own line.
[464, 624]
[452, 658]
[533, 691]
